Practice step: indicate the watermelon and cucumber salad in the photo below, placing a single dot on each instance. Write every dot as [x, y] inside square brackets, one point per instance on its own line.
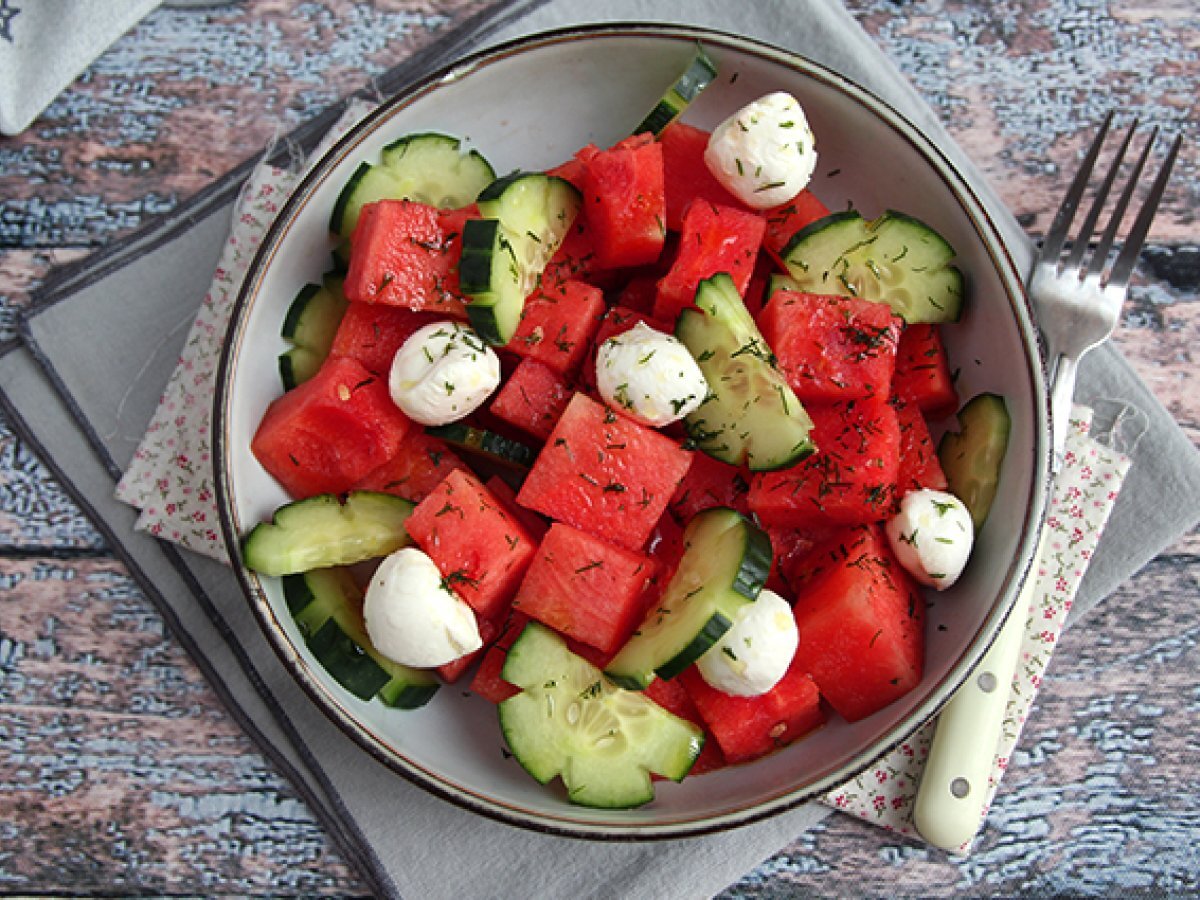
[800, 355]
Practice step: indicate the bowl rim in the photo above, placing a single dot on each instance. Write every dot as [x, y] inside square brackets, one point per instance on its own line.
[566, 825]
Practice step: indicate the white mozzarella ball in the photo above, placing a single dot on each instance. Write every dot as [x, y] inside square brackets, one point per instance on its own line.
[413, 617]
[649, 376]
[442, 373]
[754, 654]
[932, 535]
[764, 154]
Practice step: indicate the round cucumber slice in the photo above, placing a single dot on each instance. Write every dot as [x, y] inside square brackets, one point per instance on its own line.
[893, 259]
[570, 721]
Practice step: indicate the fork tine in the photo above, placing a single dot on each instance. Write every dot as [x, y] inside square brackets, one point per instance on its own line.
[1118, 214]
[1123, 267]
[1080, 245]
[1057, 234]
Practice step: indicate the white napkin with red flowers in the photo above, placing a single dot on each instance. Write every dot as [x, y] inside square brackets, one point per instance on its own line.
[169, 481]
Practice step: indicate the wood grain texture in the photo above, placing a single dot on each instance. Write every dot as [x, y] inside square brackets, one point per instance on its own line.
[119, 771]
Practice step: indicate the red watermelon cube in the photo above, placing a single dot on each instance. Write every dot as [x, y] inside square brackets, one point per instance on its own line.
[715, 238]
[750, 727]
[850, 479]
[923, 371]
[710, 483]
[862, 627]
[373, 332]
[532, 398]
[481, 550]
[326, 434]
[919, 463]
[413, 471]
[557, 325]
[624, 201]
[831, 348]
[687, 174]
[785, 220]
[405, 253]
[605, 474]
[586, 588]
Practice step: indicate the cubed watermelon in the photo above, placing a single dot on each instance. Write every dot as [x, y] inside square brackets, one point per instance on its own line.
[605, 474]
[710, 483]
[624, 201]
[481, 550]
[850, 479]
[504, 493]
[750, 727]
[791, 548]
[557, 325]
[405, 253]
[687, 174]
[831, 348]
[785, 220]
[415, 469]
[487, 681]
[373, 332]
[862, 628]
[715, 238]
[923, 371]
[586, 588]
[532, 398]
[919, 463]
[325, 435]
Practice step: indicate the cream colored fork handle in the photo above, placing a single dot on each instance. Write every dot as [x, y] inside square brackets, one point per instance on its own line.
[954, 784]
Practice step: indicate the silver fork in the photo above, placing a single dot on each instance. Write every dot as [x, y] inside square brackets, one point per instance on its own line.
[1078, 304]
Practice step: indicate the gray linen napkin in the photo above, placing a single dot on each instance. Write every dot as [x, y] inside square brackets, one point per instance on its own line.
[139, 301]
[46, 44]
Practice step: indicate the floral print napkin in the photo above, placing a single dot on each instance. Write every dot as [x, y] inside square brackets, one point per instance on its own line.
[169, 480]
[170, 477]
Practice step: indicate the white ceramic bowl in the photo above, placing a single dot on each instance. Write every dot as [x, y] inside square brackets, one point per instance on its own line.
[530, 105]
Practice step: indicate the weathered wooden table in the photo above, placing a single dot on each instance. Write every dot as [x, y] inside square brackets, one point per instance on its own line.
[120, 773]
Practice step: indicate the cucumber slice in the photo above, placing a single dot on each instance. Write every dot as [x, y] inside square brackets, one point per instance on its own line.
[321, 531]
[327, 606]
[751, 415]
[429, 167]
[310, 325]
[433, 168]
[777, 281]
[725, 563]
[368, 184]
[526, 217]
[569, 720]
[486, 443]
[695, 78]
[894, 259]
[972, 456]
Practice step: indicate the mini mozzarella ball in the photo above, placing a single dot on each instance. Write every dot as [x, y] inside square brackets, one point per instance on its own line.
[413, 617]
[442, 373]
[764, 154]
[932, 536]
[649, 376]
[754, 654]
